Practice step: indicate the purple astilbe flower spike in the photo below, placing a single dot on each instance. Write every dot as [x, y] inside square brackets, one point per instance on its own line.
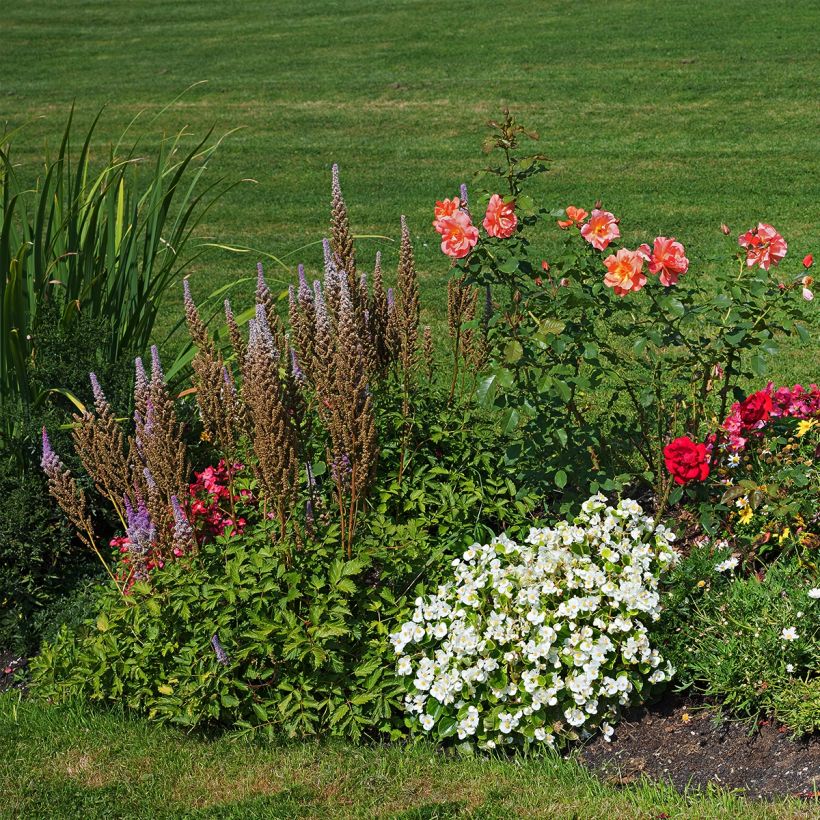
[305, 294]
[183, 531]
[330, 264]
[310, 477]
[187, 299]
[149, 480]
[140, 382]
[391, 300]
[463, 197]
[340, 468]
[264, 332]
[309, 512]
[262, 290]
[219, 651]
[50, 461]
[228, 310]
[157, 376]
[228, 385]
[100, 402]
[139, 529]
[320, 310]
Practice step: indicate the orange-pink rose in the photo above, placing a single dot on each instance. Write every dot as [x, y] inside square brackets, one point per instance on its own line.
[667, 258]
[458, 234]
[764, 246]
[500, 219]
[624, 272]
[444, 209]
[601, 229]
[575, 216]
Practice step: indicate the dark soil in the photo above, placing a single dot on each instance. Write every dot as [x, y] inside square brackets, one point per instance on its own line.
[688, 744]
[11, 671]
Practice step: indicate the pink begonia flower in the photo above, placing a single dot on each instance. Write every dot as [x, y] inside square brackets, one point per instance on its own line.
[601, 229]
[667, 258]
[458, 235]
[764, 246]
[445, 208]
[500, 219]
[624, 272]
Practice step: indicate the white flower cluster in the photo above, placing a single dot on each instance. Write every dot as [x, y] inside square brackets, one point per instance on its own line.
[542, 641]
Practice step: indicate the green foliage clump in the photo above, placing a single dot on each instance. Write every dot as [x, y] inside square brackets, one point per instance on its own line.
[750, 643]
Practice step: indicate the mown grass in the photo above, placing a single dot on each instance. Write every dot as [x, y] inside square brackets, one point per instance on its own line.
[679, 116]
[71, 763]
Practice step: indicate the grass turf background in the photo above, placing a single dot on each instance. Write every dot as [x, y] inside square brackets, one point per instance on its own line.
[679, 116]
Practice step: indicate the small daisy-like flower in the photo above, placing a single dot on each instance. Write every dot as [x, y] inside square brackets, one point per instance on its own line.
[789, 633]
[729, 563]
[733, 460]
[790, 668]
[804, 426]
[814, 592]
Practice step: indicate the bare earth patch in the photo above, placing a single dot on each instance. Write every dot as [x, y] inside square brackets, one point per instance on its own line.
[685, 744]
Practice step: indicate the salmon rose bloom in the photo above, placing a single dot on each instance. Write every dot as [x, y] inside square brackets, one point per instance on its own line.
[601, 229]
[764, 246]
[624, 272]
[446, 208]
[458, 235]
[575, 216]
[667, 258]
[500, 219]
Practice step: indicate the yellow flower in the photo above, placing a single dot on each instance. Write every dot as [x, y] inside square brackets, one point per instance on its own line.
[784, 535]
[204, 436]
[745, 515]
[701, 583]
[804, 426]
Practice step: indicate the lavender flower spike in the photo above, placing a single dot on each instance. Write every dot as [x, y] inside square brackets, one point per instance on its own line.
[391, 300]
[297, 371]
[304, 287]
[100, 402]
[183, 531]
[50, 462]
[139, 529]
[140, 383]
[219, 651]
[157, 376]
[463, 197]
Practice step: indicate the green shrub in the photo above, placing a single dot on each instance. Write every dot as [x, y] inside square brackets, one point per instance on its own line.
[730, 637]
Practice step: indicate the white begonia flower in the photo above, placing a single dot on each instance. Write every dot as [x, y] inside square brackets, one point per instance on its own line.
[427, 722]
[404, 666]
[789, 633]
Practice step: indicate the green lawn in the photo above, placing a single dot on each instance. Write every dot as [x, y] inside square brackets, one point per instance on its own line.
[62, 763]
[679, 116]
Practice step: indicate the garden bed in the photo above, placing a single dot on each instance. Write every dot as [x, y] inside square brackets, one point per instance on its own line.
[688, 744]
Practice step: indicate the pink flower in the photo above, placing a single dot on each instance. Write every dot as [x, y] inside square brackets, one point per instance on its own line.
[601, 229]
[458, 235]
[444, 209]
[764, 246]
[667, 258]
[500, 219]
[575, 216]
[624, 272]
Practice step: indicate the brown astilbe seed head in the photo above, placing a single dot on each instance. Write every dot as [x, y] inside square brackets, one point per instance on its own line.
[65, 491]
[237, 342]
[208, 367]
[377, 315]
[341, 239]
[352, 423]
[273, 434]
[427, 347]
[408, 298]
[100, 444]
[159, 436]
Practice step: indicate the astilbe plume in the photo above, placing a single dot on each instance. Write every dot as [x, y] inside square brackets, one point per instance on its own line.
[141, 535]
[160, 444]
[377, 314]
[71, 499]
[408, 301]
[321, 367]
[237, 342]
[332, 281]
[183, 539]
[141, 387]
[100, 445]
[341, 240]
[274, 436]
[217, 416]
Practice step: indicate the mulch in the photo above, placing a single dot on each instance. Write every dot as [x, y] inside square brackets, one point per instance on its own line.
[688, 744]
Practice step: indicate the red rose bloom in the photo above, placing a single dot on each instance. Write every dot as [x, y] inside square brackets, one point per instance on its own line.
[685, 460]
[755, 408]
